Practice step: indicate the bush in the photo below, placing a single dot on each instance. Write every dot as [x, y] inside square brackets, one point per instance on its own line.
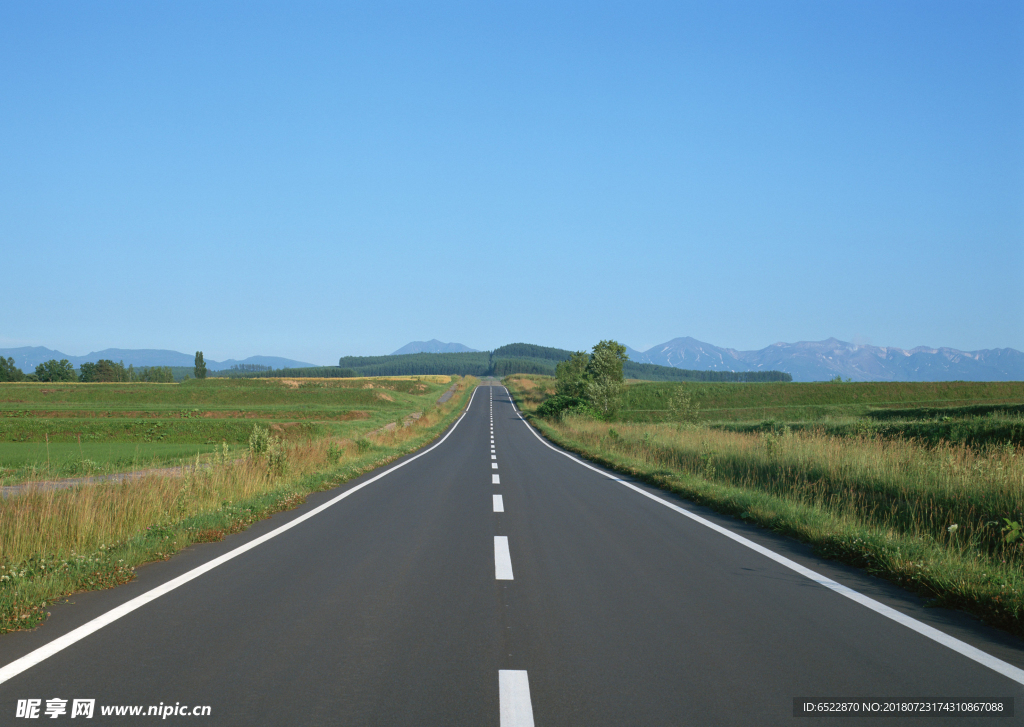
[559, 405]
[259, 441]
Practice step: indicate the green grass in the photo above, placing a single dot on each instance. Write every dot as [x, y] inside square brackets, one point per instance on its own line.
[167, 423]
[812, 401]
[975, 432]
[32, 460]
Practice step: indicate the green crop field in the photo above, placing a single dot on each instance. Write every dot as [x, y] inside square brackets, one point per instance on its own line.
[975, 413]
[64, 430]
[792, 402]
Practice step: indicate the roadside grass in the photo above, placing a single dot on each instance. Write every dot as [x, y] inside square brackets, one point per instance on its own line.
[54, 543]
[930, 518]
[140, 421]
[531, 390]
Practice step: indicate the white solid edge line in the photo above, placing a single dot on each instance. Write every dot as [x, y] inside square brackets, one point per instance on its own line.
[961, 647]
[514, 698]
[502, 559]
[495, 480]
[499, 504]
[47, 650]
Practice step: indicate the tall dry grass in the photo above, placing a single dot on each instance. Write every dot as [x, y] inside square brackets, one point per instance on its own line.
[954, 494]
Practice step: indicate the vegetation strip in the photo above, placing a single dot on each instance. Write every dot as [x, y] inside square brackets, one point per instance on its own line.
[124, 525]
[897, 528]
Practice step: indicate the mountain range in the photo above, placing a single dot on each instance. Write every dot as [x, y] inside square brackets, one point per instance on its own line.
[823, 360]
[28, 357]
[433, 346]
[805, 360]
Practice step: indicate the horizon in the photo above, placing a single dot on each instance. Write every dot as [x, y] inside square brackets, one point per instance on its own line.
[331, 182]
[643, 350]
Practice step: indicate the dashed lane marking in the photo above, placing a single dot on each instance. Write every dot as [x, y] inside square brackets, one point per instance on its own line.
[514, 698]
[502, 559]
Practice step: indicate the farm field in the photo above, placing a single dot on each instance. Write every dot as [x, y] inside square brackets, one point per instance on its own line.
[940, 514]
[649, 401]
[65, 430]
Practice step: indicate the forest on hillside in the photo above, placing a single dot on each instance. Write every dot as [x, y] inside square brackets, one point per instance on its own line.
[515, 358]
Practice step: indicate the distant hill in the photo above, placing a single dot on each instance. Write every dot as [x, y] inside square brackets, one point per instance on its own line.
[433, 346]
[28, 357]
[823, 360]
[517, 358]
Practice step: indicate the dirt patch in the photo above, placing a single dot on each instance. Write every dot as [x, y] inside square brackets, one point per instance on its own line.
[230, 415]
[367, 385]
[290, 383]
[384, 397]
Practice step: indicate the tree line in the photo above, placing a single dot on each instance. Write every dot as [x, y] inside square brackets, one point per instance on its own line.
[515, 358]
[103, 370]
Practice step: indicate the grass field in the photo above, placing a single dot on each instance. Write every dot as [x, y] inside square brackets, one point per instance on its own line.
[60, 430]
[929, 513]
[57, 542]
[801, 402]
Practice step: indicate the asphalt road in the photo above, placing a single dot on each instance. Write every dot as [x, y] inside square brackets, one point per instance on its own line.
[421, 598]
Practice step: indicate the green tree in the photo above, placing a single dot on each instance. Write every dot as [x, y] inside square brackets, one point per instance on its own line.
[200, 367]
[10, 372]
[571, 375]
[604, 377]
[87, 372]
[156, 374]
[103, 370]
[54, 370]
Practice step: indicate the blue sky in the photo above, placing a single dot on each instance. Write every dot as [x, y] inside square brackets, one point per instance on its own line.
[313, 180]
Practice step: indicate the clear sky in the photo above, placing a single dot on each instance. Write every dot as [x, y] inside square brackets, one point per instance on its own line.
[312, 180]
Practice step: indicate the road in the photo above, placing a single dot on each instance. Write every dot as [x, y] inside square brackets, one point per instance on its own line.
[417, 596]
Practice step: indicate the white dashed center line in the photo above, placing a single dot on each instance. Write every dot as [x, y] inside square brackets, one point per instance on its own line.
[502, 559]
[499, 505]
[514, 698]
